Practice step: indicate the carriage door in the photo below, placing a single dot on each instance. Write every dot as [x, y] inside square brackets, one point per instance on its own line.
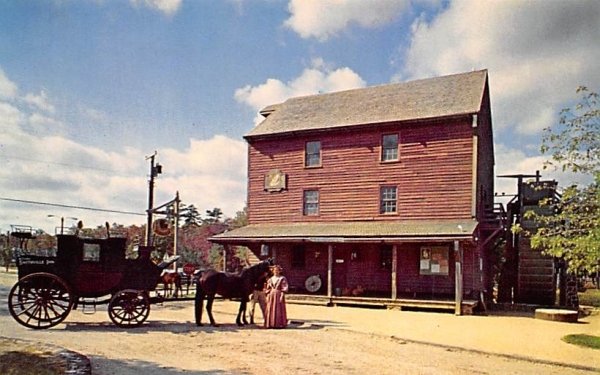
[339, 270]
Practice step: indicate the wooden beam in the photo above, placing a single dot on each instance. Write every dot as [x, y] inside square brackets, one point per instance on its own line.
[474, 169]
[458, 278]
[329, 270]
[394, 271]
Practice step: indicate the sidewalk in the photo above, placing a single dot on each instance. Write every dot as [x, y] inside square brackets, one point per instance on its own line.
[514, 336]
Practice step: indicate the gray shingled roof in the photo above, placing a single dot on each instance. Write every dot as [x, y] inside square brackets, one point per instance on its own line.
[422, 99]
[363, 231]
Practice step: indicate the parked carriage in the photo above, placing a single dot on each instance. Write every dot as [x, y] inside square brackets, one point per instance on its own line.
[84, 273]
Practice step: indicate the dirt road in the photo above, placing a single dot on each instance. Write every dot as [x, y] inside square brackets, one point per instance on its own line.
[170, 343]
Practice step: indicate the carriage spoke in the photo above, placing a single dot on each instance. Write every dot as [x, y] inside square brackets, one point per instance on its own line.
[40, 300]
[55, 308]
[25, 307]
[34, 314]
[128, 309]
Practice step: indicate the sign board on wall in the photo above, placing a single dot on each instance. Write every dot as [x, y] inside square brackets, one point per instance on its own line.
[434, 260]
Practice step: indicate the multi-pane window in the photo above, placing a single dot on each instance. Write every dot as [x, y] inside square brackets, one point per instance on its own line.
[311, 202]
[312, 157]
[389, 147]
[388, 199]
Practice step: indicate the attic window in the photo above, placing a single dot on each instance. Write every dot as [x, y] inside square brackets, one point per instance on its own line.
[389, 147]
[312, 155]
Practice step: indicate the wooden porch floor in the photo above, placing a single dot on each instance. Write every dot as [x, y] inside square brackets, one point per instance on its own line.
[467, 306]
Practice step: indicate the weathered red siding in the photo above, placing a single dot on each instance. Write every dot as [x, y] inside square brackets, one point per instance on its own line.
[433, 175]
[366, 270]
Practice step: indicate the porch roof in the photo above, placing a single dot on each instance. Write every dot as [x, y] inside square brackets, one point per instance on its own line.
[351, 231]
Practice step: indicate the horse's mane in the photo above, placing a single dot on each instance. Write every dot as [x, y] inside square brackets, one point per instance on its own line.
[255, 270]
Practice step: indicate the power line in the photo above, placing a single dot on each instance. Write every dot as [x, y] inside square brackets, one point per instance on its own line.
[63, 164]
[70, 206]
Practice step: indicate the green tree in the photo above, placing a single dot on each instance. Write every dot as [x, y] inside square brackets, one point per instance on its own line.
[574, 144]
[240, 219]
[190, 215]
[213, 216]
[6, 253]
[573, 233]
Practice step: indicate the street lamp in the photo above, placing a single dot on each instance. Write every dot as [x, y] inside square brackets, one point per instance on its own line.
[62, 221]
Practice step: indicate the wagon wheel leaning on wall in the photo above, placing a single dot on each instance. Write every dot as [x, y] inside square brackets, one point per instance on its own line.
[40, 300]
[313, 283]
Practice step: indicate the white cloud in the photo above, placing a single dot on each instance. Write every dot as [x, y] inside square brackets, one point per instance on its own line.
[39, 101]
[42, 166]
[317, 79]
[10, 118]
[537, 54]
[323, 19]
[511, 161]
[168, 7]
[37, 120]
[8, 89]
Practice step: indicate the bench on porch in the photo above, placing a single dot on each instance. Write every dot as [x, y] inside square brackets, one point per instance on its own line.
[467, 307]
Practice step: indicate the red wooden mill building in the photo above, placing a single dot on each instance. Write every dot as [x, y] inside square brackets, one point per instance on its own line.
[377, 195]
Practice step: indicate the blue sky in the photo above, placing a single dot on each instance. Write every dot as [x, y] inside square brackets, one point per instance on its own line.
[89, 88]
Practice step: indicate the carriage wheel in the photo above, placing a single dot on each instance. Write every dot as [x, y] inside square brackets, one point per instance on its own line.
[40, 300]
[129, 308]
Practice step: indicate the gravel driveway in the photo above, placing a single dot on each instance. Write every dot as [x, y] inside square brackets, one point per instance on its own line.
[169, 343]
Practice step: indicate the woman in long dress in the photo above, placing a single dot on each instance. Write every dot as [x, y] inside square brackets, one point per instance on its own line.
[277, 286]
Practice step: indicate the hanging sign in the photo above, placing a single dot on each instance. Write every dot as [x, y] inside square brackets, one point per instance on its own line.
[161, 227]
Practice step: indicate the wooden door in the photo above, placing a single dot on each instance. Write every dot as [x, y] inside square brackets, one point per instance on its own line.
[339, 271]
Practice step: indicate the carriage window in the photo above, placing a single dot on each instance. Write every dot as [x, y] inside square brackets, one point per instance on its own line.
[91, 252]
[299, 257]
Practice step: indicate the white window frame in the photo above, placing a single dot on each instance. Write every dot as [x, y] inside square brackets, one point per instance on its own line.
[312, 159]
[388, 200]
[390, 154]
[310, 207]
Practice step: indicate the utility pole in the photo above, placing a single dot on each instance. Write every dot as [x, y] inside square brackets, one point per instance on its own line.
[155, 170]
[176, 227]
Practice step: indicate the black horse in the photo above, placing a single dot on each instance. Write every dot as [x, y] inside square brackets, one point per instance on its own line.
[227, 285]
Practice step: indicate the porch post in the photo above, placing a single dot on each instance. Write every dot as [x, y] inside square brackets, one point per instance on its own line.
[458, 278]
[225, 247]
[329, 270]
[394, 271]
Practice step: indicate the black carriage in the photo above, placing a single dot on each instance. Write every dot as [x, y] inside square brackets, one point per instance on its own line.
[84, 273]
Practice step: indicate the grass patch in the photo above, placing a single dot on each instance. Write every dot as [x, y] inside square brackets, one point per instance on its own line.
[20, 358]
[587, 341]
[590, 297]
